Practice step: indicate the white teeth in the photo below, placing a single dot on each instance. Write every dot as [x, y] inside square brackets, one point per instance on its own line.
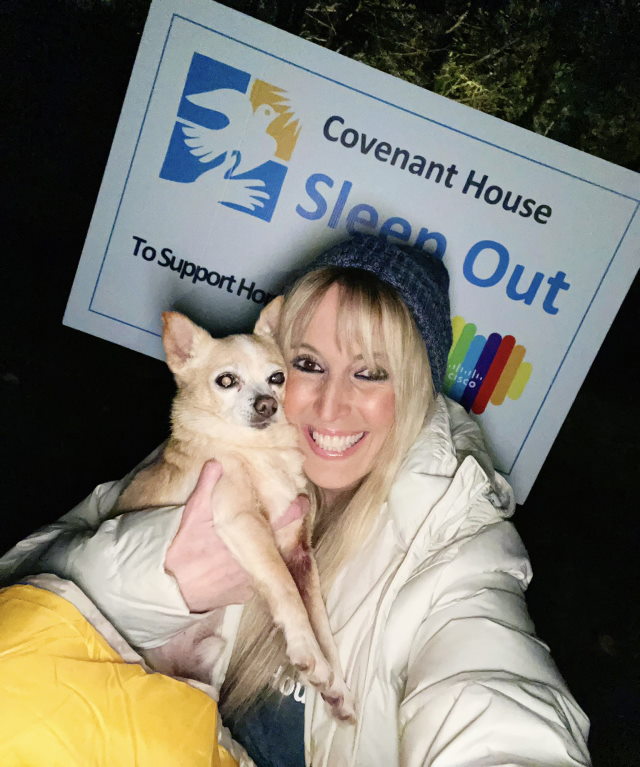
[336, 444]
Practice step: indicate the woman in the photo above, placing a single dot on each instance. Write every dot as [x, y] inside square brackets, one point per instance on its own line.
[422, 574]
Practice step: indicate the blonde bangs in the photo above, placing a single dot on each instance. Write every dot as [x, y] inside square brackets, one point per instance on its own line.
[361, 323]
[372, 320]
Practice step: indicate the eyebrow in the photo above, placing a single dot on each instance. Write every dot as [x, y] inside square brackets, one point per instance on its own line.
[309, 347]
[377, 355]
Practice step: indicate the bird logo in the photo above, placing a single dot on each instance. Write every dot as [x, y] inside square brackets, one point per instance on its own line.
[234, 138]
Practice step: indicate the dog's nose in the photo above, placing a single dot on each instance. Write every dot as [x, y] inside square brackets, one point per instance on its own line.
[265, 405]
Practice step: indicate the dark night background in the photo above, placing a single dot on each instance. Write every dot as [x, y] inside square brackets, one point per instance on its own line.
[77, 410]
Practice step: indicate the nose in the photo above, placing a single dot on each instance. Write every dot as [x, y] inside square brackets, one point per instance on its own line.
[332, 400]
[265, 405]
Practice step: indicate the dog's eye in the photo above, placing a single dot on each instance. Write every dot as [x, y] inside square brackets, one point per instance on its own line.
[277, 379]
[226, 380]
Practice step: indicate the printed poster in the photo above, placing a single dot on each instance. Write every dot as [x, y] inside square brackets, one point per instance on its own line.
[243, 151]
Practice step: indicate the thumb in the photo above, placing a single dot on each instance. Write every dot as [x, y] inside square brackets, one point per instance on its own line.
[199, 502]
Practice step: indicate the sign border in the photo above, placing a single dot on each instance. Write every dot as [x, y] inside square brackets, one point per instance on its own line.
[399, 108]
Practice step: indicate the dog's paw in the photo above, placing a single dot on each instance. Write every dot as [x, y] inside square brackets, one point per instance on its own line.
[341, 703]
[306, 656]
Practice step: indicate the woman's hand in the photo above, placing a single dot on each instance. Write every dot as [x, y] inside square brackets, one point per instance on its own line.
[207, 574]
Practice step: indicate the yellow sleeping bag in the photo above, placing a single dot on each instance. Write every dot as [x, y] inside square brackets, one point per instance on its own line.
[67, 699]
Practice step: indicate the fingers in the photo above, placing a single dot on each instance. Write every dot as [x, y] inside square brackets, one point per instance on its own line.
[199, 502]
[207, 574]
[209, 476]
[298, 509]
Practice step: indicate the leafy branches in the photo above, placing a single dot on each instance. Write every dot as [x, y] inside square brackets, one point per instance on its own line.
[567, 69]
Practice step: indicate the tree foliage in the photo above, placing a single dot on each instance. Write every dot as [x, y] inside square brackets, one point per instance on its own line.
[567, 69]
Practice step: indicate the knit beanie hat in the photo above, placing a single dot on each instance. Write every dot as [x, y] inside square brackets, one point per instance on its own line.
[421, 280]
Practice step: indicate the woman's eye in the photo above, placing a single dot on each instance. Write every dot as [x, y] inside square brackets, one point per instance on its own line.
[306, 364]
[374, 374]
[226, 380]
[277, 379]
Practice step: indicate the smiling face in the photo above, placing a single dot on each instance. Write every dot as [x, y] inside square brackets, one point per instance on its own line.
[343, 408]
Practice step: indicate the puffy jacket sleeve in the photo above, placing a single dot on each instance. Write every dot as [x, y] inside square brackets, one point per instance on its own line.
[481, 689]
[118, 563]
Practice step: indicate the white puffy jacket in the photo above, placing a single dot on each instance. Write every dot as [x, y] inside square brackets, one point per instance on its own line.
[429, 617]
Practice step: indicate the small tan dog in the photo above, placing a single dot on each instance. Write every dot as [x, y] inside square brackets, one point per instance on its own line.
[228, 406]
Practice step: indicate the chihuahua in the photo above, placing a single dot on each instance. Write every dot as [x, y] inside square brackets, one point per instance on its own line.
[228, 406]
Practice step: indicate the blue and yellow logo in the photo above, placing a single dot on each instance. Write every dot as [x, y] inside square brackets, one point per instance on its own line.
[234, 135]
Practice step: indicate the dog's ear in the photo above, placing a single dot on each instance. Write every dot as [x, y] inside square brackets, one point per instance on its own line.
[182, 340]
[269, 316]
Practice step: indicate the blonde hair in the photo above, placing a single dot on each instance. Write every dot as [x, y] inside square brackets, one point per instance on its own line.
[373, 318]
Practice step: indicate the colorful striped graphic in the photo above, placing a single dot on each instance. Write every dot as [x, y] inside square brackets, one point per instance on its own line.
[482, 370]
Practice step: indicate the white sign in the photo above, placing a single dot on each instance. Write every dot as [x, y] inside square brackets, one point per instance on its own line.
[242, 152]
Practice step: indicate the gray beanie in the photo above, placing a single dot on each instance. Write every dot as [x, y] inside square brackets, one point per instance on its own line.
[421, 280]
